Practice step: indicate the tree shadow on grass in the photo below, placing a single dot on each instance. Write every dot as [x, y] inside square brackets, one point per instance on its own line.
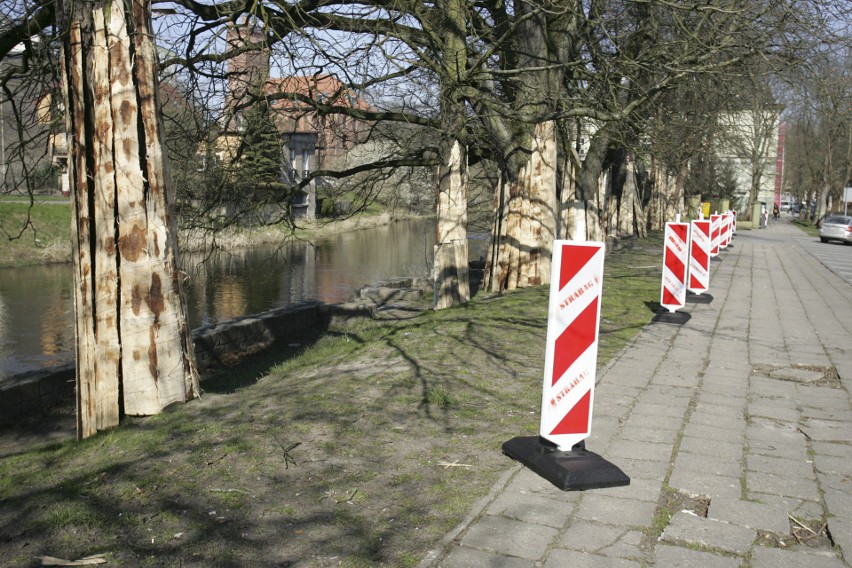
[54, 424]
[229, 378]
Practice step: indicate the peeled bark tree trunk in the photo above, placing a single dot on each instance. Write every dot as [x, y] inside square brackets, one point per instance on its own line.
[526, 213]
[572, 212]
[134, 348]
[676, 199]
[451, 273]
[527, 206]
[667, 197]
[656, 206]
[626, 209]
[824, 187]
[452, 285]
[596, 221]
[592, 184]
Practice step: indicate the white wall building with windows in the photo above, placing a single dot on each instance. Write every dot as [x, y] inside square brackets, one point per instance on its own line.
[748, 140]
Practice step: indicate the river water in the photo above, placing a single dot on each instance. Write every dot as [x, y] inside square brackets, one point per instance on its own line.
[36, 303]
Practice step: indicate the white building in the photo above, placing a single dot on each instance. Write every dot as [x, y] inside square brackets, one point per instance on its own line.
[752, 142]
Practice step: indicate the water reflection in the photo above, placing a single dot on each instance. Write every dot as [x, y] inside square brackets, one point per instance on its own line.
[36, 330]
[36, 303]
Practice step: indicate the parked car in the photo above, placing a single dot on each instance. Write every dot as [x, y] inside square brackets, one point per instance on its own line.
[836, 228]
[785, 207]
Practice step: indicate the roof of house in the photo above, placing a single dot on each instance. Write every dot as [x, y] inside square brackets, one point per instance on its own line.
[325, 88]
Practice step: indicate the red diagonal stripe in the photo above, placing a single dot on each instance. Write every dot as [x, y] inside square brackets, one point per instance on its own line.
[694, 283]
[700, 256]
[574, 340]
[574, 258]
[577, 419]
[674, 264]
[680, 230]
[669, 299]
[704, 227]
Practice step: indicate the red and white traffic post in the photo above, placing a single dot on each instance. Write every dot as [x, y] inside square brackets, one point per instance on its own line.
[699, 257]
[726, 230]
[715, 231]
[675, 262]
[558, 453]
[572, 343]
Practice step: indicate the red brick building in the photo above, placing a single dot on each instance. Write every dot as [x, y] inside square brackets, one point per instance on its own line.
[312, 137]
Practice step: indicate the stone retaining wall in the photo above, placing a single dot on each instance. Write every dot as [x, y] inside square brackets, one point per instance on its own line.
[30, 392]
[401, 290]
[214, 345]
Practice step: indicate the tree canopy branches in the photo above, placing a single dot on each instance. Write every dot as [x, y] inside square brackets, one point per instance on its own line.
[520, 63]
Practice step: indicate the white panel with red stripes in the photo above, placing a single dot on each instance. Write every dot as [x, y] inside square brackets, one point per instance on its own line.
[726, 230]
[675, 262]
[715, 231]
[699, 257]
[572, 342]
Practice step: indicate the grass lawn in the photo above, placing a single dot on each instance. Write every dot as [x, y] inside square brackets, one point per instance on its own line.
[34, 234]
[360, 447]
[806, 226]
[40, 233]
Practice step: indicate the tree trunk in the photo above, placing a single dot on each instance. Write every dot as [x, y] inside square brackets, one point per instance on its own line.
[596, 211]
[525, 219]
[452, 286]
[592, 183]
[641, 202]
[675, 198]
[451, 274]
[667, 197]
[572, 213]
[134, 347]
[527, 209]
[626, 219]
[612, 205]
[824, 188]
[641, 219]
[655, 203]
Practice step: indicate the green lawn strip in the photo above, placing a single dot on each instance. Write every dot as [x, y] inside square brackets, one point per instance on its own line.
[807, 227]
[35, 234]
[40, 232]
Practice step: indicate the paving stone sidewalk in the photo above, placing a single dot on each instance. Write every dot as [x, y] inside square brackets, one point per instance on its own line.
[735, 429]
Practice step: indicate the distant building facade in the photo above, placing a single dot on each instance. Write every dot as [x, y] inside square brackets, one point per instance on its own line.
[311, 139]
[28, 147]
[752, 142]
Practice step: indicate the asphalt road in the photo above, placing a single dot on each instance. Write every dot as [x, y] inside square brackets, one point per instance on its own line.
[836, 256]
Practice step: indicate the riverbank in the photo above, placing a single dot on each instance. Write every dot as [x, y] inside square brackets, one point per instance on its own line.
[359, 447]
[41, 234]
[235, 238]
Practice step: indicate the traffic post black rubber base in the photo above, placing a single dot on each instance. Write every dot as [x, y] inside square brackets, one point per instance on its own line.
[665, 316]
[576, 470]
[698, 298]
